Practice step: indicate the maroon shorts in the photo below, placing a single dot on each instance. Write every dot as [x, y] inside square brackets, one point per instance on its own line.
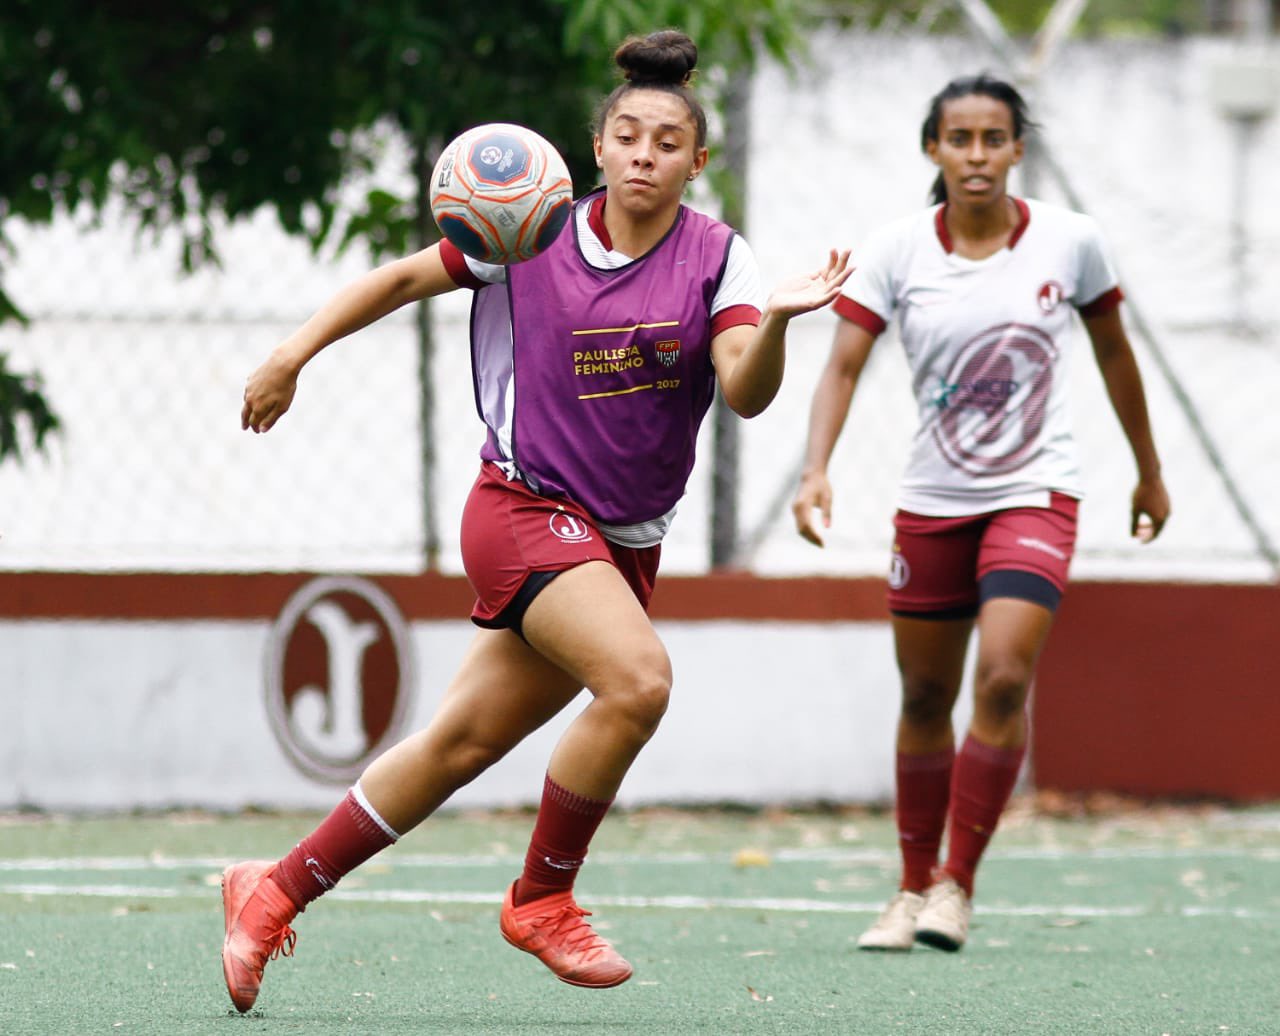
[947, 567]
[509, 533]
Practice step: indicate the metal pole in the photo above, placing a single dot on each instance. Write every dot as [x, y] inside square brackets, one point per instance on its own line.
[424, 162]
[725, 424]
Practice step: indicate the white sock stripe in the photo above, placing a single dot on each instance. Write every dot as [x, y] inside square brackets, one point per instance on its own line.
[363, 803]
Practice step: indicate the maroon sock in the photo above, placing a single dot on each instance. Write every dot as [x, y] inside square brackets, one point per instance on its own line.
[980, 789]
[924, 789]
[345, 839]
[566, 823]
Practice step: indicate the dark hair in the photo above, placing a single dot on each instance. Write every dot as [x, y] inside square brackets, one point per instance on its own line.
[966, 86]
[663, 60]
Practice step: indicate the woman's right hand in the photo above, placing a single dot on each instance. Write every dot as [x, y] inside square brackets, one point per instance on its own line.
[814, 494]
[268, 393]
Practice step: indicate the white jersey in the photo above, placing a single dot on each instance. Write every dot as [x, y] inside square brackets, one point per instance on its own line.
[989, 343]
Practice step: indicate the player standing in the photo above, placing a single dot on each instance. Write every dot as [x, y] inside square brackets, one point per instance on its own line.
[594, 364]
[985, 287]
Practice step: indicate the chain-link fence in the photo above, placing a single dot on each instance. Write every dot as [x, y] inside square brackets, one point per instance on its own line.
[1131, 130]
[146, 367]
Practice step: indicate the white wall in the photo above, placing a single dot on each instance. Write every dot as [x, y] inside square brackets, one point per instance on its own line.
[116, 715]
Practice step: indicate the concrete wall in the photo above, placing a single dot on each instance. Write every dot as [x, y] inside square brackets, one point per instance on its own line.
[153, 690]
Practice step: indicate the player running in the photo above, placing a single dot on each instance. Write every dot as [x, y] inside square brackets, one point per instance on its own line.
[594, 364]
[985, 287]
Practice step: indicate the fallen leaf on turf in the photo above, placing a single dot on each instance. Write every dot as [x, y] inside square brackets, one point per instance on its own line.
[760, 953]
[757, 997]
[751, 858]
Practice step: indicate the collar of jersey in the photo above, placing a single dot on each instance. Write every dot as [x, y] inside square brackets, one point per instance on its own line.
[940, 224]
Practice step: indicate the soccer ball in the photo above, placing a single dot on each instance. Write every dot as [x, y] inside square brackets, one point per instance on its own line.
[501, 193]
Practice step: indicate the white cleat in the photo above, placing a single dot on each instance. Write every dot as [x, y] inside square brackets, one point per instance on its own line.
[895, 928]
[943, 921]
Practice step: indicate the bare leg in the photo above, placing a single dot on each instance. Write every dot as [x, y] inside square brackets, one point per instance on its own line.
[931, 656]
[1011, 635]
[503, 691]
[589, 623]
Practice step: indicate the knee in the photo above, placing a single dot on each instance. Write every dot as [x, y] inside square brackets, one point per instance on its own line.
[926, 703]
[640, 691]
[1000, 690]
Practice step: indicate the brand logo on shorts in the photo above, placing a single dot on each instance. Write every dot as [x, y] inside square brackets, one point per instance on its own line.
[1049, 296]
[339, 677]
[899, 570]
[569, 528]
[668, 352]
[1032, 543]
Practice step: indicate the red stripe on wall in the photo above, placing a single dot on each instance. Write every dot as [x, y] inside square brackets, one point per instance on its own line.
[1164, 690]
[190, 596]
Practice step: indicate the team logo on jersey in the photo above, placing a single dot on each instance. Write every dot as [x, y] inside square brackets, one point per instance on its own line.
[569, 528]
[339, 677]
[992, 407]
[899, 570]
[668, 352]
[1050, 296]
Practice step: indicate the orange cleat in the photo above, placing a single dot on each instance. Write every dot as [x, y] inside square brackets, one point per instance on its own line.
[257, 914]
[553, 930]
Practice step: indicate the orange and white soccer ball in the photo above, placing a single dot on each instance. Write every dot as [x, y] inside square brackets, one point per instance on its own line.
[501, 193]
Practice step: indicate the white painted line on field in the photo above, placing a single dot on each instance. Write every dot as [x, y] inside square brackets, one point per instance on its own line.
[768, 904]
[96, 891]
[36, 864]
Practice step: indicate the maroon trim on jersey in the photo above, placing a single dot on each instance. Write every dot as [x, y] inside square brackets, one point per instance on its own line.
[1104, 303]
[867, 319]
[455, 265]
[734, 316]
[595, 220]
[940, 228]
[1024, 219]
[944, 235]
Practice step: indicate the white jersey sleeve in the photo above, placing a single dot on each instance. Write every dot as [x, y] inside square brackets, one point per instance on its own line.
[490, 273]
[1096, 274]
[740, 285]
[874, 283]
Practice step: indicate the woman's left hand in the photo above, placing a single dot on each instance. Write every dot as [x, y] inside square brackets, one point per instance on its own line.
[1150, 509]
[806, 292]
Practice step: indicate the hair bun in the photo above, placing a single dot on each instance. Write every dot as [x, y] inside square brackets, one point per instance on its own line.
[666, 56]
